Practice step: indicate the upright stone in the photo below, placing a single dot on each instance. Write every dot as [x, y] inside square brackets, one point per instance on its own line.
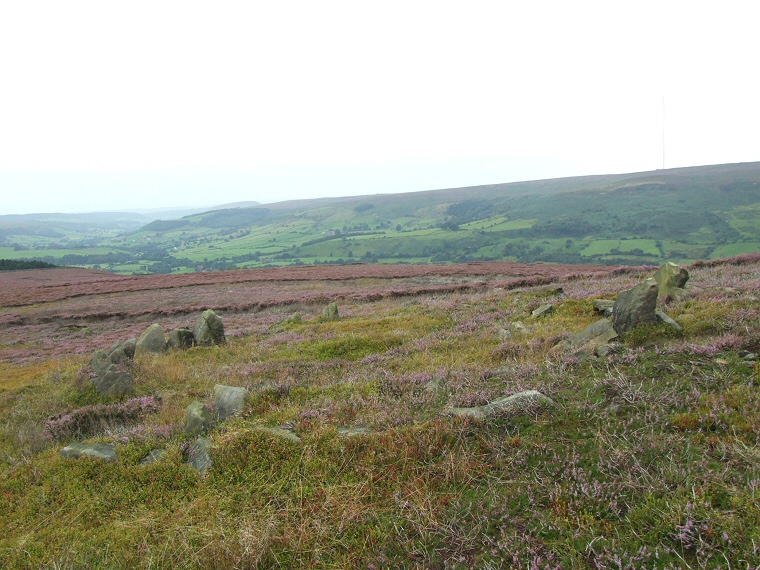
[151, 341]
[181, 339]
[197, 455]
[114, 383]
[229, 401]
[671, 278]
[330, 312]
[209, 330]
[199, 418]
[100, 362]
[635, 307]
[129, 347]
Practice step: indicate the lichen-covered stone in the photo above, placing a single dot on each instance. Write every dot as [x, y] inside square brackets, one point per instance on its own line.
[152, 341]
[181, 339]
[330, 312]
[671, 279]
[521, 403]
[635, 307]
[543, 310]
[198, 457]
[209, 330]
[229, 401]
[104, 451]
[114, 383]
[100, 362]
[199, 419]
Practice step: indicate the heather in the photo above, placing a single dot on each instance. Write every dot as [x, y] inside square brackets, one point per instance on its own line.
[649, 460]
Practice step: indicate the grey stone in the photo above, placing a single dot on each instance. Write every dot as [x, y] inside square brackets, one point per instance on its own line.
[129, 347]
[543, 310]
[294, 319]
[663, 318]
[154, 455]
[100, 362]
[197, 455]
[670, 277]
[600, 332]
[505, 334]
[151, 341]
[604, 306]
[199, 419]
[517, 327]
[635, 307]
[353, 431]
[181, 339]
[209, 330]
[282, 432]
[104, 451]
[521, 403]
[114, 383]
[118, 356]
[229, 401]
[330, 312]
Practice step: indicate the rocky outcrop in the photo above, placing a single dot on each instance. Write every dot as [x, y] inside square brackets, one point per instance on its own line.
[229, 401]
[209, 330]
[104, 451]
[152, 341]
[635, 307]
[527, 402]
[671, 280]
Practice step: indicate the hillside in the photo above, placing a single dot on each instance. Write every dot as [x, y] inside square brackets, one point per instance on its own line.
[678, 214]
[349, 450]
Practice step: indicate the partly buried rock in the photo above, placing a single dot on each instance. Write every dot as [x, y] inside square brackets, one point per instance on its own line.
[199, 419]
[104, 451]
[294, 319]
[197, 455]
[671, 279]
[526, 402]
[114, 383]
[154, 455]
[209, 330]
[118, 356]
[330, 312]
[229, 401]
[542, 310]
[285, 432]
[635, 307]
[593, 336]
[181, 339]
[151, 341]
[604, 306]
[101, 362]
[663, 318]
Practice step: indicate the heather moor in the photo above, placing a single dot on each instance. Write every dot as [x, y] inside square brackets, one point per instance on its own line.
[481, 415]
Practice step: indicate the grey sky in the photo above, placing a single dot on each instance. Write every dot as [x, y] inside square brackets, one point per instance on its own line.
[148, 104]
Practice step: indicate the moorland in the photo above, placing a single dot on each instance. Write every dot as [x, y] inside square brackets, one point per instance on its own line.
[680, 215]
[648, 459]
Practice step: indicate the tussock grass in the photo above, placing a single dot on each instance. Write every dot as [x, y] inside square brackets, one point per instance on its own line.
[649, 460]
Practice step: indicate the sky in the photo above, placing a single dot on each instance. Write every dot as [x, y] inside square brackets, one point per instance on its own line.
[135, 105]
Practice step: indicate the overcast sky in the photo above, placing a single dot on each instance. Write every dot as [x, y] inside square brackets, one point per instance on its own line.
[120, 105]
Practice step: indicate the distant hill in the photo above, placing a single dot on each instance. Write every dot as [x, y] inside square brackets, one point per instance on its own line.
[679, 214]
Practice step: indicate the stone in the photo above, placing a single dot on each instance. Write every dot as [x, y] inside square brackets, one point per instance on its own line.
[670, 277]
[330, 312]
[118, 356]
[181, 339]
[104, 451]
[635, 307]
[100, 362]
[505, 334]
[199, 419]
[129, 347]
[543, 310]
[663, 318]
[598, 333]
[282, 432]
[229, 401]
[209, 330]
[353, 431]
[154, 455]
[529, 401]
[517, 327]
[114, 383]
[294, 319]
[152, 341]
[604, 306]
[197, 455]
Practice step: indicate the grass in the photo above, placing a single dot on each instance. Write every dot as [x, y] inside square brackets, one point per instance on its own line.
[649, 459]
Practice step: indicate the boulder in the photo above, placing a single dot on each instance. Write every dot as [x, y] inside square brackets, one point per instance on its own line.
[114, 383]
[100, 362]
[671, 279]
[604, 306]
[663, 318]
[151, 341]
[209, 330]
[543, 310]
[118, 356]
[181, 339]
[635, 307]
[330, 312]
[199, 419]
[228, 401]
[197, 455]
[129, 347]
[104, 451]
[529, 401]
